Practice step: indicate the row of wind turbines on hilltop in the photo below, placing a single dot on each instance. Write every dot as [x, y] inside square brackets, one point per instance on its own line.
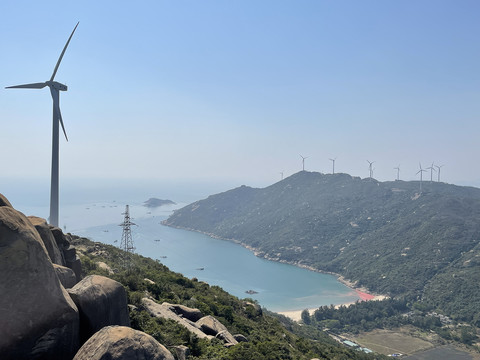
[371, 169]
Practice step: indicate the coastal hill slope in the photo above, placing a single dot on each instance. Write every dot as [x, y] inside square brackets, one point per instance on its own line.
[386, 236]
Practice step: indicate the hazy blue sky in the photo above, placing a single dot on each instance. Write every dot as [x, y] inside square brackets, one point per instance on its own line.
[237, 90]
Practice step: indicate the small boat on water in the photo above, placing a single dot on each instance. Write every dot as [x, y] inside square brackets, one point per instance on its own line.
[200, 268]
[251, 292]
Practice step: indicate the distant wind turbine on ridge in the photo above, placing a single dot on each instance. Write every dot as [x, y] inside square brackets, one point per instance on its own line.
[303, 161]
[431, 172]
[438, 172]
[370, 169]
[55, 88]
[398, 172]
[333, 161]
[281, 173]
[421, 171]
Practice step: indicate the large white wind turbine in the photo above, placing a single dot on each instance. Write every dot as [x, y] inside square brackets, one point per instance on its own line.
[55, 88]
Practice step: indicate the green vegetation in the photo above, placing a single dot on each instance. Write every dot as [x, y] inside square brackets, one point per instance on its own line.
[385, 236]
[269, 337]
[366, 316]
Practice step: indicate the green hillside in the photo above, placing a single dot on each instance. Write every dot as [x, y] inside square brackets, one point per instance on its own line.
[267, 337]
[386, 236]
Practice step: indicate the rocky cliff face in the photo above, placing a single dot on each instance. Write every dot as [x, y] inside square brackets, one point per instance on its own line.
[39, 318]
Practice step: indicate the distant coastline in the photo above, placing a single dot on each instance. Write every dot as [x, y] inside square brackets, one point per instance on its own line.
[363, 293]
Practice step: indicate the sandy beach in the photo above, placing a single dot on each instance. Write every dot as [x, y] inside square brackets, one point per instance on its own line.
[296, 315]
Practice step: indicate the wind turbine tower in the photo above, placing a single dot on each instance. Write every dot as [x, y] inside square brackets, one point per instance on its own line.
[55, 88]
[333, 165]
[438, 172]
[421, 171]
[281, 174]
[127, 242]
[303, 161]
[370, 169]
[398, 172]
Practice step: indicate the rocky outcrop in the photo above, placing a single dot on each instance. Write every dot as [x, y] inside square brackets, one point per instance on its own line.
[101, 302]
[182, 352]
[72, 260]
[205, 327]
[48, 240]
[185, 311]
[65, 275]
[38, 318]
[165, 312]
[122, 343]
[212, 326]
[240, 338]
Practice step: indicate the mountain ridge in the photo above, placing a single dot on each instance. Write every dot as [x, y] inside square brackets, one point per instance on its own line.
[385, 236]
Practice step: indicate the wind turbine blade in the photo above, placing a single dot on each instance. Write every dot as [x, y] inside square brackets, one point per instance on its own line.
[63, 52]
[28, 86]
[61, 121]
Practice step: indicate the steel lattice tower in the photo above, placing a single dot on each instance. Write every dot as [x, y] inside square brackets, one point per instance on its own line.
[127, 243]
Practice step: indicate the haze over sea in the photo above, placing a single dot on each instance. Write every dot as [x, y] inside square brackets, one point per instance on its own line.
[95, 211]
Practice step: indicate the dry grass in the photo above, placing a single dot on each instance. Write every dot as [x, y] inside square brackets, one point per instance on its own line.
[389, 342]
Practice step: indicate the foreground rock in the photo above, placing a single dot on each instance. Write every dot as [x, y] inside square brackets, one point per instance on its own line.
[48, 240]
[38, 318]
[69, 252]
[66, 276]
[122, 343]
[101, 302]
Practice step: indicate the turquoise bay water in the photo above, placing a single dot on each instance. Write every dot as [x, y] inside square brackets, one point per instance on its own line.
[280, 286]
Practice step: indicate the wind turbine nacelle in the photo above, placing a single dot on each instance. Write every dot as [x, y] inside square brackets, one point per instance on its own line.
[57, 85]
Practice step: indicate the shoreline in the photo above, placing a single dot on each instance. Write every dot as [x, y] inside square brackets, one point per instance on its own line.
[363, 293]
[296, 315]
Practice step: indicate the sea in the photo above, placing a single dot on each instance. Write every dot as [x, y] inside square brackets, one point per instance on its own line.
[96, 211]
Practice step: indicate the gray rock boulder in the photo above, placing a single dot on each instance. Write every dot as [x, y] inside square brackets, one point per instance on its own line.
[122, 343]
[182, 352]
[163, 311]
[60, 237]
[48, 240]
[76, 266]
[72, 260]
[66, 276]
[211, 326]
[101, 302]
[240, 338]
[185, 311]
[38, 318]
